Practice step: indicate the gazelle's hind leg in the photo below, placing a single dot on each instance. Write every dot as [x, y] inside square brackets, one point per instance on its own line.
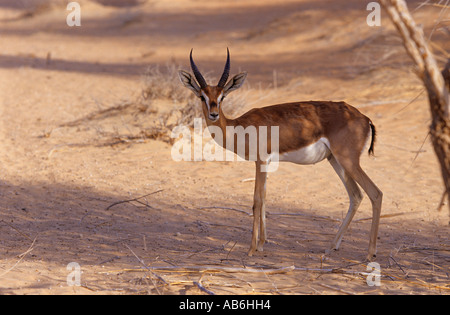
[354, 170]
[355, 196]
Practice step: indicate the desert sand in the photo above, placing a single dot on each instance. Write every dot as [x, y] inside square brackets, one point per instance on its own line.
[85, 117]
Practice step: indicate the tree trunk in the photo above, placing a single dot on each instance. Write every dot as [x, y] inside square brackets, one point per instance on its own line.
[436, 83]
[440, 135]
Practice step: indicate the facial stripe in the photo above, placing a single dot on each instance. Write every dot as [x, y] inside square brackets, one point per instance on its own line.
[219, 99]
[206, 99]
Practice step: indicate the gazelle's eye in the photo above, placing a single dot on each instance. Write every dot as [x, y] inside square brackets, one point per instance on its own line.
[202, 98]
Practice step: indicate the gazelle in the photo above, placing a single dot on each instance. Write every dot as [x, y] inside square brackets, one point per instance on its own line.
[309, 132]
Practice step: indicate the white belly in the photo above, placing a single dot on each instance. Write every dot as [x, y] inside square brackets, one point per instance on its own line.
[310, 154]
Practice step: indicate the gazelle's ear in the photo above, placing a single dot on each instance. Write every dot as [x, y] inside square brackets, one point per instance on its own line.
[189, 82]
[235, 83]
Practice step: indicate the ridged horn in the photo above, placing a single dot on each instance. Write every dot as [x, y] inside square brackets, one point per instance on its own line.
[201, 81]
[226, 72]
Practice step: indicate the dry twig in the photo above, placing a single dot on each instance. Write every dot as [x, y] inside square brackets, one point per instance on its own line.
[149, 270]
[225, 208]
[202, 288]
[134, 199]
[22, 256]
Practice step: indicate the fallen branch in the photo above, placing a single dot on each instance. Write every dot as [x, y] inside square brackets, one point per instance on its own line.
[100, 114]
[336, 289]
[134, 199]
[303, 215]
[225, 208]
[226, 269]
[210, 269]
[219, 269]
[418, 282]
[22, 256]
[202, 288]
[148, 269]
[383, 216]
[14, 228]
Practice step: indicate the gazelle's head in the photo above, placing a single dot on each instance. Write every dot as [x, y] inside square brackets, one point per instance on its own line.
[211, 96]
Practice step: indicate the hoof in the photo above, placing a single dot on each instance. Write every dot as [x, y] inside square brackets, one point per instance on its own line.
[331, 249]
[260, 247]
[371, 257]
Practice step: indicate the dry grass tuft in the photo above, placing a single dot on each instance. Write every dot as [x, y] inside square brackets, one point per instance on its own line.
[164, 84]
[162, 105]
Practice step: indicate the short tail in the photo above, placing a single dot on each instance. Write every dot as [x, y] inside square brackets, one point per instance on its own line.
[374, 135]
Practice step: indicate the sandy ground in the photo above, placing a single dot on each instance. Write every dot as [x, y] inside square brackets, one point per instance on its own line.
[65, 156]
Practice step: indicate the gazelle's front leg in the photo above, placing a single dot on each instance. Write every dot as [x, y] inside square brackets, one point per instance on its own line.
[259, 211]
